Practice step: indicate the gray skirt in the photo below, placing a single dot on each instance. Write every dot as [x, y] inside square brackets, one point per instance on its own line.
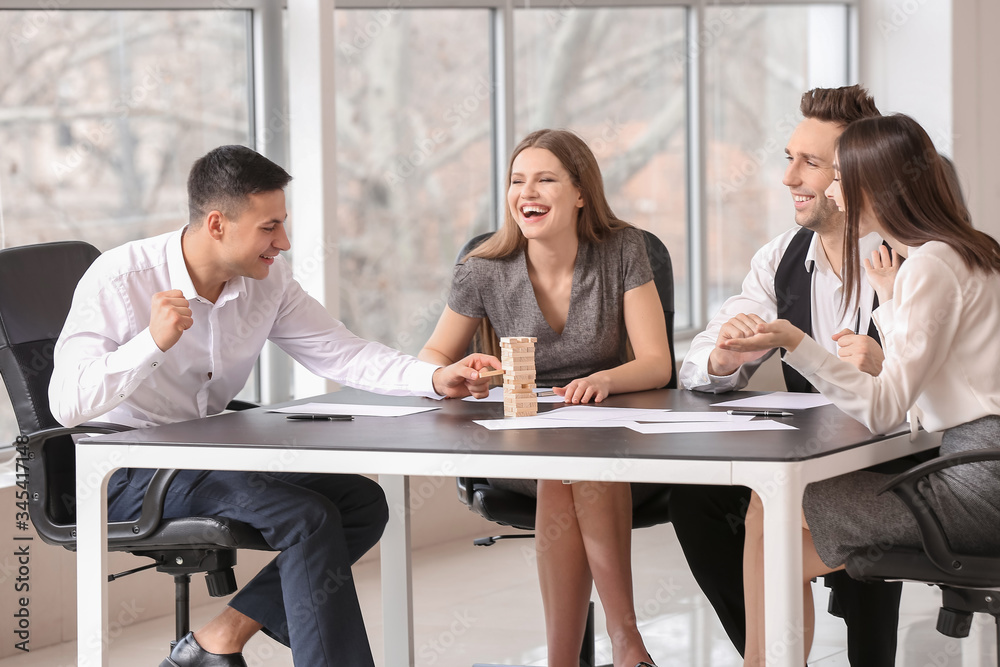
[845, 515]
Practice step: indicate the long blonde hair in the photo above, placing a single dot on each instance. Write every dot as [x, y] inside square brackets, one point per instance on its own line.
[595, 220]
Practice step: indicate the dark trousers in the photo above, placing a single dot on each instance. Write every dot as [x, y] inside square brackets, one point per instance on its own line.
[321, 524]
[710, 525]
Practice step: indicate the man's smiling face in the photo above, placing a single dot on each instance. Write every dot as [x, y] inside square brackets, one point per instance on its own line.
[810, 155]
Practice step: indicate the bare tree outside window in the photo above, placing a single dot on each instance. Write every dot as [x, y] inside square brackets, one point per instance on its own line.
[413, 162]
[616, 77]
[102, 114]
[759, 61]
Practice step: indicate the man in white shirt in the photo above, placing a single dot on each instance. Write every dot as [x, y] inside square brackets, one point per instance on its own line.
[168, 329]
[797, 277]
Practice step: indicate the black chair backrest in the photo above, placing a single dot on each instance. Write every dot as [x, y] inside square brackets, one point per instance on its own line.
[36, 290]
[663, 278]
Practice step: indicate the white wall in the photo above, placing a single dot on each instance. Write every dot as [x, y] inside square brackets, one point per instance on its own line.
[936, 60]
[975, 101]
[906, 61]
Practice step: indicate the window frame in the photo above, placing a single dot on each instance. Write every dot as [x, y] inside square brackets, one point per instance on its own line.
[268, 96]
[502, 46]
[265, 98]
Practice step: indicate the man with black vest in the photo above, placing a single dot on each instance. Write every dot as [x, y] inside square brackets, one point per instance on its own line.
[795, 277]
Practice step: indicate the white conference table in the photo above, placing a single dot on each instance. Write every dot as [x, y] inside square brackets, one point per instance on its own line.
[444, 442]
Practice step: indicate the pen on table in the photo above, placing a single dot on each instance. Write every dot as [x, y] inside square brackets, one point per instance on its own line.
[762, 413]
[329, 418]
[547, 392]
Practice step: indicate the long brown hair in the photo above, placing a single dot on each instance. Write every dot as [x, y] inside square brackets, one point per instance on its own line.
[891, 164]
[595, 220]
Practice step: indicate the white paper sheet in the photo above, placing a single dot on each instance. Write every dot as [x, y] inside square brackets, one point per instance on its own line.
[496, 396]
[681, 417]
[708, 427]
[598, 413]
[353, 409]
[525, 423]
[778, 400]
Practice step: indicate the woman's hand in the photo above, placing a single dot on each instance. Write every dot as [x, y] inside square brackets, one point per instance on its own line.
[779, 333]
[596, 386]
[881, 270]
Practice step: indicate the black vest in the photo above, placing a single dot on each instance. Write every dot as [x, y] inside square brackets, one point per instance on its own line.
[793, 291]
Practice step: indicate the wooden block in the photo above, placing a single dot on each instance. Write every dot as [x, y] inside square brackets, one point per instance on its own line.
[527, 400]
[518, 386]
[519, 377]
[519, 412]
[490, 373]
[516, 366]
[518, 339]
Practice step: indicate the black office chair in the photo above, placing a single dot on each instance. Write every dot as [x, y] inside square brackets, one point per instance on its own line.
[969, 583]
[36, 290]
[509, 508]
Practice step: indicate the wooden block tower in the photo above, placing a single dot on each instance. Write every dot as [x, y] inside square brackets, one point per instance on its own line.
[517, 357]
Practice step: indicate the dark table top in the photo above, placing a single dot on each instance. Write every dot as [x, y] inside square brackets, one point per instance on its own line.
[820, 431]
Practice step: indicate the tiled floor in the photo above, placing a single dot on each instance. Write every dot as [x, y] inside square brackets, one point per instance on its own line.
[477, 604]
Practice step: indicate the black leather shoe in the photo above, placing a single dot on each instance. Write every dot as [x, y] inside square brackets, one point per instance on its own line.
[187, 653]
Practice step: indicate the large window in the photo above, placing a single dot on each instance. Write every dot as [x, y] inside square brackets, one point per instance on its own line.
[687, 106]
[426, 119]
[607, 74]
[751, 109]
[102, 114]
[413, 163]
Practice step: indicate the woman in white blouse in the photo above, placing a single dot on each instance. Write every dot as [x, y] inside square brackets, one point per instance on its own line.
[939, 321]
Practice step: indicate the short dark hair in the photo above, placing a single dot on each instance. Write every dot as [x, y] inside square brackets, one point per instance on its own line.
[838, 105]
[223, 178]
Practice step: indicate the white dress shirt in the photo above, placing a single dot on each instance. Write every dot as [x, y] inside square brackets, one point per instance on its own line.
[758, 297]
[107, 367]
[941, 343]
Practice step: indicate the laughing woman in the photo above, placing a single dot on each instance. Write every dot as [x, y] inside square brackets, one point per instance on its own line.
[939, 320]
[565, 270]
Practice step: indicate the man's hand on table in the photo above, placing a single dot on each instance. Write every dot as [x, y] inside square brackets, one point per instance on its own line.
[462, 377]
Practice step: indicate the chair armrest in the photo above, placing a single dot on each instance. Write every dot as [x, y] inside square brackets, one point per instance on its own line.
[466, 487]
[909, 486]
[118, 531]
[30, 447]
[241, 405]
[941, 463]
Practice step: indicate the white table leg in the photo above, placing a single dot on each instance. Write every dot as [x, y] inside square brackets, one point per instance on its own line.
[92, 472]
[397, 589]
[782, 499]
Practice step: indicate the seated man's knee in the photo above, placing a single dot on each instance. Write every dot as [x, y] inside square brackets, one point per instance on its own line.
[370, 506]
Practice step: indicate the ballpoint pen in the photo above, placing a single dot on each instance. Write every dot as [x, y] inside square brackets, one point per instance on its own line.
[329, 418]
[762, 413]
